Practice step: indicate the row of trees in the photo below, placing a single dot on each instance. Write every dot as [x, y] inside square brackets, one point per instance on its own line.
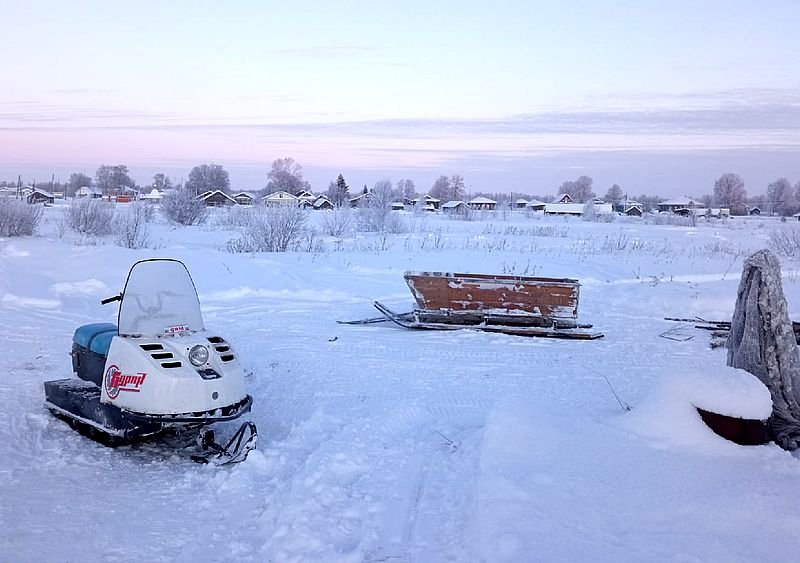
[728, 191]
[286, 174]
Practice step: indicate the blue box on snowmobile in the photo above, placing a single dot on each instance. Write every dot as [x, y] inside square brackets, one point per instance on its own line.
[90, 346]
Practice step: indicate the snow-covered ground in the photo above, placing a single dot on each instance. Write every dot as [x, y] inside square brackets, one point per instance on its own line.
[382, 444]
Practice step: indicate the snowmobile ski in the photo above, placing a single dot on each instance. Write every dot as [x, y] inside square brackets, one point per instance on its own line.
[235, 450]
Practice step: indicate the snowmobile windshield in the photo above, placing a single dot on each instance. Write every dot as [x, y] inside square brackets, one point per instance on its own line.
[159, 298]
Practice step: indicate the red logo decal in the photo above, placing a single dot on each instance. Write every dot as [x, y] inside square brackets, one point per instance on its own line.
[116, 381]
[176, 329]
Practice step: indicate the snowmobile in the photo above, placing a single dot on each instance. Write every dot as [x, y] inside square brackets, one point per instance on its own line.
[156, 371]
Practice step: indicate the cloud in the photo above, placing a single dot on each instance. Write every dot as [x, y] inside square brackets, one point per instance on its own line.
[738, 112]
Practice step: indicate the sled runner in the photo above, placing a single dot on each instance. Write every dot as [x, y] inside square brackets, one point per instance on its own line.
[489, 324]
[156, 371]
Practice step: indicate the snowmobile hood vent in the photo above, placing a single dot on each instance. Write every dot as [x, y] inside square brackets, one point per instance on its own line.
[151, 347]
[222, 348]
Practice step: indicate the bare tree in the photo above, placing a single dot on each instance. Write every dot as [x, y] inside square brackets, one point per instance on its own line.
[729, 191]
[778, 194]
[457, 187]
[579, 190]
[339, 192]
[76, 181]
[206, 178]
[614, 195]
[113, 179]
[162, 182]
[440, 188]
[286, 175]
[406, 189]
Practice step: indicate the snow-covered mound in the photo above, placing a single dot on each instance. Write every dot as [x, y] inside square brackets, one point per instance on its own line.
[669, 411]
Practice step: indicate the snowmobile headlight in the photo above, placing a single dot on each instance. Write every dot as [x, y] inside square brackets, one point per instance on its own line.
[198, 355]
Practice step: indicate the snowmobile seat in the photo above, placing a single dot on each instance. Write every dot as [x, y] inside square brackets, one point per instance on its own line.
[95, 337]
[90, 346]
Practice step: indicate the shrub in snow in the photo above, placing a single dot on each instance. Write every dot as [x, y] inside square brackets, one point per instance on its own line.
[18, 218]
[376, 216]
[337, 222]
[276, 229]
[785, 241]
[132, 225]
[183, 208]
[90, 216]
[235, 217]
[669, 411]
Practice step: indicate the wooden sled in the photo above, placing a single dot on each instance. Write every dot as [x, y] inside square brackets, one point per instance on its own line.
[479, 298]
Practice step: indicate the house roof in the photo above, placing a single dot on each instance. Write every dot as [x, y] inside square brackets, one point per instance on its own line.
[41, 191]
[244, 194]
[279, 196]
[452, 204]
[683, 201]
[534, 203]
[155, 193]
[90, 189]
[522, 201]
[576, 208]
[320, 201]
[207, 195]
[481, 199]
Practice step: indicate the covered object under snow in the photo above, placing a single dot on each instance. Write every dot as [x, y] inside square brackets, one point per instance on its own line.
[762, 342]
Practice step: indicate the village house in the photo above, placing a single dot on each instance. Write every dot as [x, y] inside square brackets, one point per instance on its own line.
[88, 191]
[322, 203]
[481, 202]
[535, 205]
[454, 207]
[682, 206]
[217, 198]
[38, 195]
[577, 208]
[244, 198]
[425, 201]
[154, 196]
[279, 199]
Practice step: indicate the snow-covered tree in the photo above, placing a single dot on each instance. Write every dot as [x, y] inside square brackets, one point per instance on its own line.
[286, 175]
[457, 187]
[76, 181]
[779, 194]
[339, 192]
[112, 179]
[406, 189]
[729, 191]
[207, 178]
[440, 188]
[579, 190]
[183, 208]
[162, 181]
[614, 195]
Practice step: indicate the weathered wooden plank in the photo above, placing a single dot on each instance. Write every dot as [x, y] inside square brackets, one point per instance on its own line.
[554, 298]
